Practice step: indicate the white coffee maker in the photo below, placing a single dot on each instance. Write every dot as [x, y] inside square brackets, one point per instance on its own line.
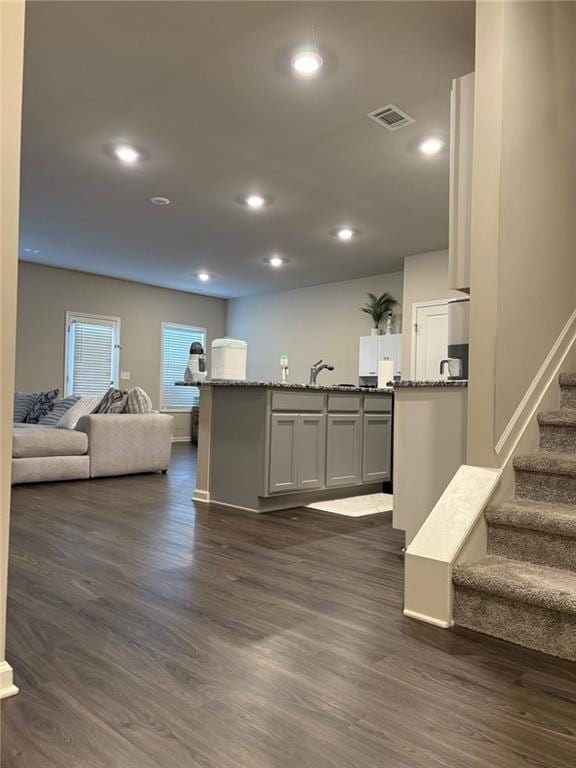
[196, 369]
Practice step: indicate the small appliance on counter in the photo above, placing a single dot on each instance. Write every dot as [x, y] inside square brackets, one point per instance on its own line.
[196, 369]
[457, 360]
[229, 359]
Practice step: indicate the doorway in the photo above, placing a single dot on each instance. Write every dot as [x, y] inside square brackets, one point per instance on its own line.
[429, 339]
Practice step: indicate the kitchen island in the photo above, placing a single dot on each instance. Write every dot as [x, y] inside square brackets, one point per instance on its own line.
[265, 446]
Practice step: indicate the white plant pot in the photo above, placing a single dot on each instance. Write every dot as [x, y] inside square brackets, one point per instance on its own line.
[374, 331]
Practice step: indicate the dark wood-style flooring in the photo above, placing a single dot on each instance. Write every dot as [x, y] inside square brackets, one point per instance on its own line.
[145, 634]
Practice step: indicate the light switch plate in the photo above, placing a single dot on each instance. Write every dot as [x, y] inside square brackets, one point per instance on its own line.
[124, 375]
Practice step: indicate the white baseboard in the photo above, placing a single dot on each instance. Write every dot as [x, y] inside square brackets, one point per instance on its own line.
[201, 496]
[426, 619]
[185, 439]
[7, 687]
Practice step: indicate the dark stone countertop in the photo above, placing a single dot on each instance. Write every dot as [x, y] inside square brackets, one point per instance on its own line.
[440, 384]
[288, 385]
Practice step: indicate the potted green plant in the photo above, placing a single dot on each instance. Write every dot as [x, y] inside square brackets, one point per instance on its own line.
[378, 307]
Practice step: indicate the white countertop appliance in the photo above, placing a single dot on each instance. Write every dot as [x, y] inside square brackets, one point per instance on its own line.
[195, 371]
[229, 359]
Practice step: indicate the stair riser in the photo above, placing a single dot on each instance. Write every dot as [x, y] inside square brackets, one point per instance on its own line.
[540, 486]
[532, 546]
[527, 625]
[555, 438]
[568, 397]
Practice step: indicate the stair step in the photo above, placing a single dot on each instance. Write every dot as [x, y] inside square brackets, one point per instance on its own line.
[559, 519]
[565, 417]
[527, 604]
[568, 390]
[547, 462]
[541, 585]
[534, 531]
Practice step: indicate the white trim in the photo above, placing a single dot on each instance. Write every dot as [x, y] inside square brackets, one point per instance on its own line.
[203, 496]
[543, 379]
[69, 316]
[168, 324]
[427, 619]
[7, 687]
[416, 305]
[182, 439]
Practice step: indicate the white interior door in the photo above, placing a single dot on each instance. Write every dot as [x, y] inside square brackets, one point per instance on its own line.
[429, 340]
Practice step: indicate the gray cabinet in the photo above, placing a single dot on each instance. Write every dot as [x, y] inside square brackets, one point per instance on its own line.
[283, 474]
[297, 452]
[376, 447]
[343, 450]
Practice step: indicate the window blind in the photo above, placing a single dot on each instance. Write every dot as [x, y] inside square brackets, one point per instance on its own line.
[176, 341]
[91, 357]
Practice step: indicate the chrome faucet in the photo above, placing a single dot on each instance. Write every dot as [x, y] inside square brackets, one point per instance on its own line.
[315, 370]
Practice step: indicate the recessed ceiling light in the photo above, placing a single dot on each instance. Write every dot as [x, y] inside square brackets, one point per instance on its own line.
[203, 276]
[255, 201]
[306, 63]
[275, 261]
[33, 251]
[431, 146]
[344, 233]
[160, 200]
[126, 154]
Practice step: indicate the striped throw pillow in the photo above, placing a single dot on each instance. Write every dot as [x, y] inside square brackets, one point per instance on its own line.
[113, 401]
[23, 403]
[83, 407]
[42, 405]
[59, 409]
[138, 401]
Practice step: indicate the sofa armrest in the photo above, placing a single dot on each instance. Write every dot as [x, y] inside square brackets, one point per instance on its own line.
[125, 443]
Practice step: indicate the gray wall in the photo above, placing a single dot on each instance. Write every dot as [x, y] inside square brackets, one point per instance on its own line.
[44, 295]
[322, 321]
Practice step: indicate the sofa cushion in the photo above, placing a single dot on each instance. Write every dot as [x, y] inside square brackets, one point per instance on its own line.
[138, 401]
[42, 405]
[59, 409]
[23, 403]
[37, 441]
[83, 407]
[49, 468]
[113, 401]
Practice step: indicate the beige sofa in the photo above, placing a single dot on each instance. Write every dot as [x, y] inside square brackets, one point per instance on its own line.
[101, 445]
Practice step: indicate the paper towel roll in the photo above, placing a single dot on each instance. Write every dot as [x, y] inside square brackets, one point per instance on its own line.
[385, 372]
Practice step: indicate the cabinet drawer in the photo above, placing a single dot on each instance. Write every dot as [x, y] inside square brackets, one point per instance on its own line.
[377, 404]
[343, 403]
[297, 402]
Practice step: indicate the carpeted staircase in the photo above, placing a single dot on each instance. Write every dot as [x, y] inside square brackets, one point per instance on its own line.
[524, 590]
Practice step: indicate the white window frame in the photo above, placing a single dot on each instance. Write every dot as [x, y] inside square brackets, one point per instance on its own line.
[72, 317]
[168, 324]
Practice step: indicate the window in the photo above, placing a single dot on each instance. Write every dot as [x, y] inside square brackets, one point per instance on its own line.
[92, 353]
[176, 341]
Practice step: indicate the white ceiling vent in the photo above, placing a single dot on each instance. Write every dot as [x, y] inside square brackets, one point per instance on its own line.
[391, 117]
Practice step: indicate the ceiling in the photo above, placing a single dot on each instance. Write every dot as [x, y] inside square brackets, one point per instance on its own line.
[206, 91]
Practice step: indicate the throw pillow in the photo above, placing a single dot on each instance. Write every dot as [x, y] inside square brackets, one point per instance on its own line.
[23, 403]
[59, 409]
[113, 401]
[83, 407]
[42, 405]
[138, 401]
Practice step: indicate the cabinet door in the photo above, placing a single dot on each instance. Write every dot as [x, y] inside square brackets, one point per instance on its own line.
[283, 453]
[343, 446]
[376, 447]
[368, 357]
[311, 451]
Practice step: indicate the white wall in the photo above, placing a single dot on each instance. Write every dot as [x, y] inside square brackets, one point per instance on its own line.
[425, 279]
[322, 321]
[523, 243]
